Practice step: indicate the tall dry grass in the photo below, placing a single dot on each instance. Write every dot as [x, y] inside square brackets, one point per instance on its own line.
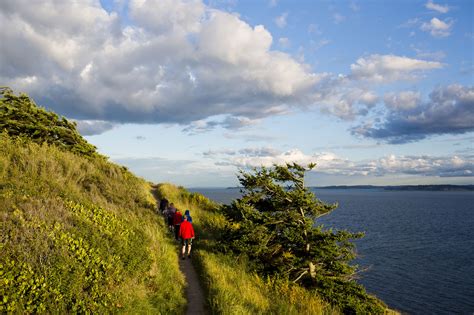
[79, 234]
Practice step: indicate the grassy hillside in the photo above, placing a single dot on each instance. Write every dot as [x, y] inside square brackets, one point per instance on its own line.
[79, 234]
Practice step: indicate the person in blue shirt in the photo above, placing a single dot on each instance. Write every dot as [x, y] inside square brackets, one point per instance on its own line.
[188, 215]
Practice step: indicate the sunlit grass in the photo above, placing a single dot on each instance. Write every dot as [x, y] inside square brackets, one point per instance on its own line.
[231, 287]
[80, 234]
[235, 290]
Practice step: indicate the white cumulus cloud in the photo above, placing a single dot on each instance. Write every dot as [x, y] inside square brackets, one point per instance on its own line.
[437, 7]
[163, 16]
[389, 68]
[437, 27]
[173, 62]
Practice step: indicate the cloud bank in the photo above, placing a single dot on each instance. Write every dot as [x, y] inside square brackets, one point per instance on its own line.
[330, 163]
[183, 62]
[175, 62]
[449, 110]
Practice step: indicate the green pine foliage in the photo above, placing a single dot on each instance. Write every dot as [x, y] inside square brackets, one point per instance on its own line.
[273, 224]
[20, 116]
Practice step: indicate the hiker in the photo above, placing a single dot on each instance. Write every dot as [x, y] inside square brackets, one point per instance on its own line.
[163, 205]
[186, 233]
[170, 211]
[188, 215]
[177, 219]
[166, 213]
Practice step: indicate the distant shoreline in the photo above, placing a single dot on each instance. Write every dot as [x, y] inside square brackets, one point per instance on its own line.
[405, 187]
[394, 187]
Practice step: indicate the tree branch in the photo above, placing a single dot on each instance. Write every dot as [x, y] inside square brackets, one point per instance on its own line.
[301, 275]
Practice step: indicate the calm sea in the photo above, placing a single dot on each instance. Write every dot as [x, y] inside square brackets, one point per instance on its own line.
[418, 246]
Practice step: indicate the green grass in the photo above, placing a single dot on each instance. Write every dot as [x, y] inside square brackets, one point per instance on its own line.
[79, 234]
[235, 290]
[232, 288]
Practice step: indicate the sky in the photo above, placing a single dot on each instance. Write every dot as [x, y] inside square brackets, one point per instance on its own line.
[191, 92]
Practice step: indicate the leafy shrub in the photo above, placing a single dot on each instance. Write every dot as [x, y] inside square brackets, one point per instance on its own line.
[22, 289]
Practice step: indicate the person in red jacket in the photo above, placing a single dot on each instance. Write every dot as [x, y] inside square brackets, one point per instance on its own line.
[177, 219]
[186, 233]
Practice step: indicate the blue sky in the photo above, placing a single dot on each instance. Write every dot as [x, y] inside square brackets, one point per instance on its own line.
[189, 92]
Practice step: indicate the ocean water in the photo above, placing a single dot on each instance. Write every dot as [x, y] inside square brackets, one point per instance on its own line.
[418, 246]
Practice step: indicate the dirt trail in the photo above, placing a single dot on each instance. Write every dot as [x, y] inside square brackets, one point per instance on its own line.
[194, 293]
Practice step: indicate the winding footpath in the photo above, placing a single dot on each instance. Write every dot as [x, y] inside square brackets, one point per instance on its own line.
[194, 292]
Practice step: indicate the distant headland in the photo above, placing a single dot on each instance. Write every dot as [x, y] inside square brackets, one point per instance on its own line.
[404, 187]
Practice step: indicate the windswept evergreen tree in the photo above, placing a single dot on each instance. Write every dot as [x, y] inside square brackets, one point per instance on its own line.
[21, 117]
[274, 224]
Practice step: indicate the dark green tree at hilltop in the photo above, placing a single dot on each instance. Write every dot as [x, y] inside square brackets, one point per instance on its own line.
[21, 117]
[273, 223]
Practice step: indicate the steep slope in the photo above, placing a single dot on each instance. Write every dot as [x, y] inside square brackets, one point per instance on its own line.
[79, 234]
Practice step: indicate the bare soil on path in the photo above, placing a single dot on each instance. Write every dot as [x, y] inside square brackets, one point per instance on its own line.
[194, 292]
